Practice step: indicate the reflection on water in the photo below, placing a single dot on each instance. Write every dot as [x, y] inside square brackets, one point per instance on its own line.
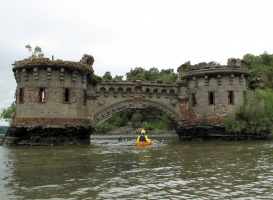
[168, 169]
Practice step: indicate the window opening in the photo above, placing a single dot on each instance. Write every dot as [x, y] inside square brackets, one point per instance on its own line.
[211, 98]
[230, 97]
[42, 95]
[66, 95]
[245, 96]
[21, 95]
[16, 95]
[194, 103]
[84, 97]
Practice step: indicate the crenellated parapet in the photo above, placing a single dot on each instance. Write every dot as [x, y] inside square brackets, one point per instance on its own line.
[140, 88]
[85, 65]
[234, 66]
[36, 66]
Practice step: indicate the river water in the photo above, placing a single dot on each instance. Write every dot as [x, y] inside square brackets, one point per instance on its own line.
[169, 169]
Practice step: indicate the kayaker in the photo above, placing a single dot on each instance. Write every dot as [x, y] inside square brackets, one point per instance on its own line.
[143, 137]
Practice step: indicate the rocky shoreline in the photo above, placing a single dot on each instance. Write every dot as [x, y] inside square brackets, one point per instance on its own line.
[47, 135]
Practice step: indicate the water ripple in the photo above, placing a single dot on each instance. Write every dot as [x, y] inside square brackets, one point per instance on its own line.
[167, 170]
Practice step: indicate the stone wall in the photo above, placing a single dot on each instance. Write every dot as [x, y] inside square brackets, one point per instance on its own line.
[107, 99]
[53, 103]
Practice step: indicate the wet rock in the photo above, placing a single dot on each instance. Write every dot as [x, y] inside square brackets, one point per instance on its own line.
[215, 133]
[47, 136]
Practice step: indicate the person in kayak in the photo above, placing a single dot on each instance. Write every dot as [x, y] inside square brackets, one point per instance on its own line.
[143, 137]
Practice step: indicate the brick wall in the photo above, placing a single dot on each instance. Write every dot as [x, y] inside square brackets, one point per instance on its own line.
[49, 121]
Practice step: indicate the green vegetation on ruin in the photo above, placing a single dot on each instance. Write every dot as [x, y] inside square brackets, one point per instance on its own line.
[37, 59]
[255, 117]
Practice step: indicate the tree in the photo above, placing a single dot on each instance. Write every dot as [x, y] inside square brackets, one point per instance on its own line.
[152, 74]
[8, 113]
[118, 78]
[213, 63]
[107, 76]
[135, 74]
[104, 127]
[124, 119]
[266, 59]
[261, 67]
[137, 117]
[168, 76]
[250, 58]
[37, 53]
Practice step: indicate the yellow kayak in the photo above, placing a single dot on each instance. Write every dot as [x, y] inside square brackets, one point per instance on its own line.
[138, 143]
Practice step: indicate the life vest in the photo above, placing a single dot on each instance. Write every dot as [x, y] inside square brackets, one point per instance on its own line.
[142, 138]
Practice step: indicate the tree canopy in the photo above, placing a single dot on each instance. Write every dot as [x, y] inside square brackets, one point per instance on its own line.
[153, 74]
[7, 113]
[150, 75]
[261, 66]
[107, 76]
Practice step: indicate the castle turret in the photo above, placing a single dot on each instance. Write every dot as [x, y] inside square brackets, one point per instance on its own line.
[213, 91]
[51, 95]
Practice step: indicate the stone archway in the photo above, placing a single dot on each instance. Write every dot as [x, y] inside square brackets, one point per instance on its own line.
[121, 106]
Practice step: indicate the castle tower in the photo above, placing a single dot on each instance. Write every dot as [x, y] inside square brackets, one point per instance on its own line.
[213, 92]
[51, 95]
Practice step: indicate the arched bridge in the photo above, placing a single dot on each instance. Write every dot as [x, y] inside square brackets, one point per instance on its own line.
[111, 98]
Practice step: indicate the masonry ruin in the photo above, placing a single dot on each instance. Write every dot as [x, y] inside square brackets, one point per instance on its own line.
[59, 102]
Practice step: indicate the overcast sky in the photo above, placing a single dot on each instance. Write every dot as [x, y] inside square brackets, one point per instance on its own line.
[124, 34]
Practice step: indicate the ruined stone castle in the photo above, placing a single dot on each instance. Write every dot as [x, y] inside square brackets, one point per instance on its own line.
[60, 102]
